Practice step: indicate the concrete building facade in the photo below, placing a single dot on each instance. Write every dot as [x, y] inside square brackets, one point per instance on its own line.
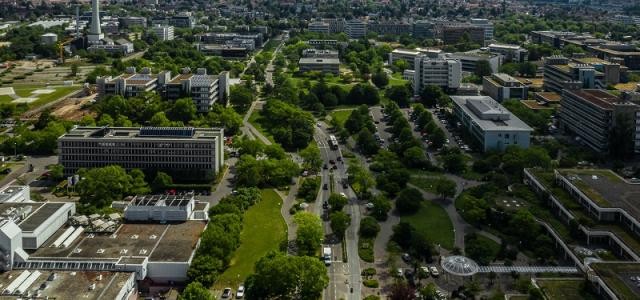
[489, 123]
[501, 86]
[196, 153]
[442, 72]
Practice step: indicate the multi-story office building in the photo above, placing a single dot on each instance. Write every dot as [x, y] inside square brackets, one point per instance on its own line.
[319, 27]
[514, 53]
[487, 25]
[443, 72]
[127, 22]
[223, 50]
[190, 153]
[559, 75]
[423, 29]
[590, 114]
[311, 52]
[222, 38]
[336, 25]
[324, 65]
[185, 20]
[355, 29]
[389, 28]
[164, 33]
[409, 55]
[470, 59]
[501, 86]
[130, 84]
[120, 46]
[489, 123]
[454, 33]
[204, 90]
[49, 38]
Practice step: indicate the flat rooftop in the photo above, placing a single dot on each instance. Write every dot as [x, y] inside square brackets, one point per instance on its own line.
[606, 188]
[548, 96]
[9, 191]
[163, 133]
[159, 242]
[39, 216]
[618, 277]
[489, 114]
[72, 285]
[319, 61]
[599, 98]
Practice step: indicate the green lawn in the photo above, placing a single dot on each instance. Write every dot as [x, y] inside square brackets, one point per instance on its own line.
[5, 98]
[26, 91]
[263, 231]
[433, 222]
[396, 79]
[568, 289]
[340, 115]
[426, 183]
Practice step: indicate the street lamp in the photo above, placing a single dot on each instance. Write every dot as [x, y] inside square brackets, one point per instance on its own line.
[15, 150]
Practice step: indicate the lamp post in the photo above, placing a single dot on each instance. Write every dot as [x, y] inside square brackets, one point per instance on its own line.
[15, 150]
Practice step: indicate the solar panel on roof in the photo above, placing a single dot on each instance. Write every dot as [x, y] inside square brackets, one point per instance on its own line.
[167, 131]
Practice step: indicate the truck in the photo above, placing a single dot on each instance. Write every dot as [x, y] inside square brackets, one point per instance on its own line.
[326, 255]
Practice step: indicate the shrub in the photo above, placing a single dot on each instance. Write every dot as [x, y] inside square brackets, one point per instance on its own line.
[369, 272]
[371, 283]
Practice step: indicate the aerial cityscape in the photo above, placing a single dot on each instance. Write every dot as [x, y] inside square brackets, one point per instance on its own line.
[307, 150]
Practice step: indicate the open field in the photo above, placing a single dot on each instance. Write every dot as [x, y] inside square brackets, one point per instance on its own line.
[341, 116]
[433, 223]
[263, 231]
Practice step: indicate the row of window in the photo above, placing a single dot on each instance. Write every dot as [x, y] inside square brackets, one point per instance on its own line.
[136, 144]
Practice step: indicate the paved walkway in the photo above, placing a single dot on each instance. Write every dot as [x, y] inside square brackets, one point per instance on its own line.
[527, 269]
[287, 202]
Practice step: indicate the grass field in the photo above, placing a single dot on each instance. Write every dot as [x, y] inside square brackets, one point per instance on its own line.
[434, 223]
[263, 231]
[396, 79]
[340, 115]
[564, 289]
[426, 183]
[26, 91]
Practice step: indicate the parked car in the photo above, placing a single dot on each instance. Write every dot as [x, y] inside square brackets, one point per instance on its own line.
[325, 187]
[406, 257]
[399, 272]
[226, 293]
[240, 292]
[325, 166]
[343, 195]
[434, 271]
[325, 205]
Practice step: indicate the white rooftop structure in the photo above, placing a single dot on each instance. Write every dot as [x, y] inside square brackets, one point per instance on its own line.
[459, 265]
[489, 114]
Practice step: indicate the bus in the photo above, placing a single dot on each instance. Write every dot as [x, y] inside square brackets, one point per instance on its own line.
[333, 142]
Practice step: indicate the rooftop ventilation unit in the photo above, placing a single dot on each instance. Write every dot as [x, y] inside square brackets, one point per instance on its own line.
[100, 251]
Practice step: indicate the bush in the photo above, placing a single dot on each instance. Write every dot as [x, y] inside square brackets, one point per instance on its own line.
[371, 283]
[369, 272]
[369, 227]
[372, 297]
[365, 249]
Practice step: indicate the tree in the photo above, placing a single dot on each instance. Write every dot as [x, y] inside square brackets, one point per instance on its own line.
[408, 201]
[227, 117]
[204, 269]
[400, 94]
[381, 207]
[400, 290]
[431, 95]
[337, 201]
[429, 292]
[483, 68]
[528, 69]
[195, 291]
[74, 69]
[241, 98]
[56, 172]
[183, 110]
[339, 223]
[101, 186]
[311, 157]
[401, 65]
[380, 79]
[445, 187]
[621, 137]
[161, 182]
[138, 185]
[309, 234]
[369, 227]
[415, 157]
[278, 276]
[366, 142]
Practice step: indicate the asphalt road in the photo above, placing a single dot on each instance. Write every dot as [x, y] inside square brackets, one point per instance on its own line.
[345, 281]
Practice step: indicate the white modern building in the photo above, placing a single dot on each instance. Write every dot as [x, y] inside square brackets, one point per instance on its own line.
[489, 123]
[319, 27]
[164, 33]
[164, 208]
[486, 25]
[15, 193]
[443, 72]
[514, 53]
[205, 90]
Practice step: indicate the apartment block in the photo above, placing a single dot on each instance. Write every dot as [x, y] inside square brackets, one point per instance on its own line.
[389, 28]
[189, 153]
[501, 86]
[590, 114]
[489, 123]
[470, 59]
[442, 72]
[204, 90]
[409, 55]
